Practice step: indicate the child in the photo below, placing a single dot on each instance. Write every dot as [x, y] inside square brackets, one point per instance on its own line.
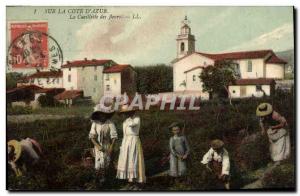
[179, 149]
[217, 161]
[103, 135]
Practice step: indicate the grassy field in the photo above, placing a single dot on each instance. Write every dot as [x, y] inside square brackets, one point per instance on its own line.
[64, 141]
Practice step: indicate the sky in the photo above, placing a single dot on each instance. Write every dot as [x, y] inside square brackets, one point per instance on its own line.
[151, 38]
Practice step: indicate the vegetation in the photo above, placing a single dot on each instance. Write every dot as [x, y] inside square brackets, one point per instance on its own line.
[12, 78]
[48, 101]
[154, 79]
[64, 142]
[18, 110]
[217, 78]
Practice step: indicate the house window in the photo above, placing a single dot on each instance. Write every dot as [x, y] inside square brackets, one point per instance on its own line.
[82, 68]
[249, 66]
[115, 81]
[233, 91]
[95, 77]
[182, 47]
[204, 63]
[107, 76]
[57, 81]
[69, 68]
[94, 90]
[194, 78]
[107, 88]
[69, 78]
[258, 88]
[95, 68]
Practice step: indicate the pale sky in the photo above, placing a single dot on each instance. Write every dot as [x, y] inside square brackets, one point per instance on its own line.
[152, 38]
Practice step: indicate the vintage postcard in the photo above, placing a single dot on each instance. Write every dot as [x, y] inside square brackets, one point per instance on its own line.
[191, 98]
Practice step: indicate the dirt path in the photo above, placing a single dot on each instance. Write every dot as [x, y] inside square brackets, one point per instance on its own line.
[33, 117]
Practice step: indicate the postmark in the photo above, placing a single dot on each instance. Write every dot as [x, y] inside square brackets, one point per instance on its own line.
[34, 49]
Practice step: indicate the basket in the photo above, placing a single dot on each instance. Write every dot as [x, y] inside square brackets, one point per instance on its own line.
[88, 157]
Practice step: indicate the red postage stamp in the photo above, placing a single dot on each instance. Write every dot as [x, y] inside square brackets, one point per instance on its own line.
[29, 48]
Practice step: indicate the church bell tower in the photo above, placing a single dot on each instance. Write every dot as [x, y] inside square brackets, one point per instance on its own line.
[185, 40]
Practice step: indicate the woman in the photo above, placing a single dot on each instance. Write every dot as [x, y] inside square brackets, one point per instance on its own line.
[217, 161]
[103, 134]
[272, 123]
[23, 155]
[131, 160]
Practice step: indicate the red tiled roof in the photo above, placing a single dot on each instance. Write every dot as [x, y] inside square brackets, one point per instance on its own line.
[46, 74]
[274, 59]
[115, 68]
[197, 67]
[254, 81]
[47, 90]
[238, 55]
[85, 63]
[69, 94]
[24, 87]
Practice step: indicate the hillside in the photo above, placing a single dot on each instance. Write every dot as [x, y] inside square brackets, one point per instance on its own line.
[287, 55]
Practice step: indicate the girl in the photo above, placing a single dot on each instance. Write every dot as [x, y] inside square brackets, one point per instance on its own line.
[179, 149]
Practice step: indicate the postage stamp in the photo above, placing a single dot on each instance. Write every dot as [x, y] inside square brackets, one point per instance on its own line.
[32, 47]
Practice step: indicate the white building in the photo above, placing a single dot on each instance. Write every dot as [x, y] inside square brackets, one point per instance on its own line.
[119, 79]
[44, 79]
[85, 75]
[261, 64]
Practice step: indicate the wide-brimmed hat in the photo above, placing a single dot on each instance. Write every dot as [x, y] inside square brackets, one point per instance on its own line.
[174, 124]
[264, 109]
[17, 149]
[101, 110]
[125, 108]
[216, 144]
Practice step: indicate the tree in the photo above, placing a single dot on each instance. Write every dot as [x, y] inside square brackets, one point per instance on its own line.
[12, 78]
[154, 79]
[216, 78]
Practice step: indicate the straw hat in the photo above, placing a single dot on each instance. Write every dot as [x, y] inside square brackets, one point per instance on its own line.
[216, 144]
[101, 110]
[264, 109]
[17, 149]
[125, 108]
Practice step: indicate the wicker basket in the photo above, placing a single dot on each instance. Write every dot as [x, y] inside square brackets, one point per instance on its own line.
[88, 157]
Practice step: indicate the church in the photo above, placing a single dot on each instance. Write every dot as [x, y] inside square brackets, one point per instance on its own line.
[258, 70]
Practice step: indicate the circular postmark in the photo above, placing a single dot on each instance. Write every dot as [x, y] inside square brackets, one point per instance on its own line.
[34, 49]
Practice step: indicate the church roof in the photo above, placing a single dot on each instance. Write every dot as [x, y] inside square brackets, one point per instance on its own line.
[254, 81]
[257, 54]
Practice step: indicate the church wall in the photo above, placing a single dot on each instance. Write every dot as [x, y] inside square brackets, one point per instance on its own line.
[257, 68]
[275, 71]
[185, 64]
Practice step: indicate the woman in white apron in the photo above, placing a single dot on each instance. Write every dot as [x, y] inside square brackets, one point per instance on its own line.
[131, 160]
[272, 123]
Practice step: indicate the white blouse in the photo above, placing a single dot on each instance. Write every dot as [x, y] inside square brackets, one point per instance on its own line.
[221, 157]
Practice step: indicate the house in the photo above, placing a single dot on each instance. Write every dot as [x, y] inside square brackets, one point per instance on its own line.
[44, 79]
[27, 95]
[255, 65]
[119, 79]
[69, 97]
[256, 87]
[85, 75]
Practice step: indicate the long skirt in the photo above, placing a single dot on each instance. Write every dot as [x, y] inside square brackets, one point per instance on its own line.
[131, 160]
[280, 146]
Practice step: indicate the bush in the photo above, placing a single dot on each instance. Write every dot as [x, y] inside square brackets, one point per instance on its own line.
[48, 100]
[18, 110]
[282, 176]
